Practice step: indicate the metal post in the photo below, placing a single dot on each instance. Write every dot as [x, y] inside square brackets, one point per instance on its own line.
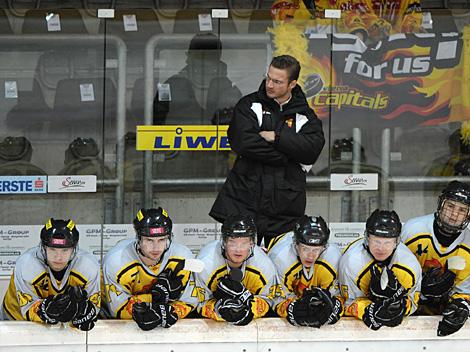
[356, 168]
[384, 180]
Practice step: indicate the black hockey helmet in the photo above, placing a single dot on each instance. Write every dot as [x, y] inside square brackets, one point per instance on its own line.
[312, 231]
[153, 223]
[236, 226]
[456, 191]
[239, 226]
[383, 223]
[15, 148]
[59, 234]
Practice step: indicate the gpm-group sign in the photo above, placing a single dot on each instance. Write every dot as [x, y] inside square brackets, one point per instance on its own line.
[189, 137]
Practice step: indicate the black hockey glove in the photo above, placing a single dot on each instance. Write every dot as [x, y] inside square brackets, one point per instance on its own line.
[86, 315]
[310, 310]
[436, 285]
[235, 311]
[332, 306]
[454, 317]
[228, 288]
[58, 308]
[392, 289]
[169, 285]
[385, 313]
[148, 316]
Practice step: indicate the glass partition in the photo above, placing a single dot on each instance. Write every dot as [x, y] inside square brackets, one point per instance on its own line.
[392, 97]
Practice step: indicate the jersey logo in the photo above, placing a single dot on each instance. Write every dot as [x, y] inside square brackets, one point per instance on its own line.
[111, 288]
[197, 291]
[420, 250]
[276, 291]
[23, 298]
[96, 299]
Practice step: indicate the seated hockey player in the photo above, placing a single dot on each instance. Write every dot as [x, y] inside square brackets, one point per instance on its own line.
[55, 281]
[308, 271]
[379, 276]
[238, 282]
[145, 278]
[441, 243]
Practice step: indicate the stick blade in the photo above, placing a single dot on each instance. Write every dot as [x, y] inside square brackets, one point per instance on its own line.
[194, 265]
[456, 263]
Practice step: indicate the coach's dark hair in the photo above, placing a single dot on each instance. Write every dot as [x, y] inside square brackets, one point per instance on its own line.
[289, 63]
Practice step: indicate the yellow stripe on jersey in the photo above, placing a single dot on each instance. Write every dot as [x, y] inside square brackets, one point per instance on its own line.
[349, 245]
[295, 281]
[218, 274]
[124, 272]
[404, 275]
[41, 280]
[363, 278]
[254, 280]
[275, 240]
[79, 277]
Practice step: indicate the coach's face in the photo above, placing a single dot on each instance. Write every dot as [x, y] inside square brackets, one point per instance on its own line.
[277, 84]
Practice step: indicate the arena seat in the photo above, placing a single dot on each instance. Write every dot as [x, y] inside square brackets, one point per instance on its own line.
[28, 112]
[5, 27]
[84, 106]
[71, 21]
[259, 21]
[147, 25]
[187, 21]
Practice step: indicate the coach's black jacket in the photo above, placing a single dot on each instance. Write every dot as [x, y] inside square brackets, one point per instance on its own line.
[268, 180]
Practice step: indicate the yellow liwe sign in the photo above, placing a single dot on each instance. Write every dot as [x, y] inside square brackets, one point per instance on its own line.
[182, 137]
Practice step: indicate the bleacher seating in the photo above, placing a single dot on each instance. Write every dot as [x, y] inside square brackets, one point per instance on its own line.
[71, 21]
[84, 106]
[187, 21]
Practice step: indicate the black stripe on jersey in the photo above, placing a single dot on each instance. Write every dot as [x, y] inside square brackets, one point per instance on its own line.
[275, 240]
[215, 275]
[118, 313]
[126, 269]
[289, 272]
[7, 311]
[430, 237]
[401, 267]
[28, 317]
[361, 275]
[260, 276]
[37, 281]
[79, 277]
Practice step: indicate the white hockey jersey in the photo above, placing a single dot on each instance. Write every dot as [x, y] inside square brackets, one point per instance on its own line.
[128, 280]
[259, 277]
[32, 281]
[418, 235]
[294, 278]
[355, 274]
